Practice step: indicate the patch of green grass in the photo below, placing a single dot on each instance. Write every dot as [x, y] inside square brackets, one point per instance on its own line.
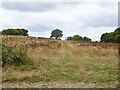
[62, 76]
[67, 57]
[34, 79]
[27, 67]
[9, 78]
[102, 72]
[13, 78]
[61, 71]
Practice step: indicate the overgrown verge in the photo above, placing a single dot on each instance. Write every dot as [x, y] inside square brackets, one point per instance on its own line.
[16, 57]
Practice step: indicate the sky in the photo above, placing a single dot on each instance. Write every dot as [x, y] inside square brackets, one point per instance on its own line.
[90, 19]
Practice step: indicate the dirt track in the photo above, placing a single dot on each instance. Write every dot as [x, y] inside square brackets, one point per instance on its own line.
[57, 84]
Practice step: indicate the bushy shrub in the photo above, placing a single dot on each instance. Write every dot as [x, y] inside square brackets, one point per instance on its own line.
[23, 32]
[7, 55]
[14, 57]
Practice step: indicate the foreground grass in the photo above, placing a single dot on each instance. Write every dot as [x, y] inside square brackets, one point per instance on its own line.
[66, 69]
[75, 65]
[63, 70]
[103, 71]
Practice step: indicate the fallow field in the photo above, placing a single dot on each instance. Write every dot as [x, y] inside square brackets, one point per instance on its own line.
[62, 64]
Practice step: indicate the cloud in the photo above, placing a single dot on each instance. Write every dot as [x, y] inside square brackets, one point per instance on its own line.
[33, 6]
[85, 19]
[27, 6]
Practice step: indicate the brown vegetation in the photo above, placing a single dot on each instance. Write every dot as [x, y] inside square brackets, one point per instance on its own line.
[58, 60]
[29, 42]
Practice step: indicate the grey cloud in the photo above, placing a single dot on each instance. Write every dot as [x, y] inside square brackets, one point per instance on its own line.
[28, 6]
[34, 6]
[103, 21]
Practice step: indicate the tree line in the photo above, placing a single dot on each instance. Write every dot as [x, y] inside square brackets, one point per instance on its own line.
[113, 37]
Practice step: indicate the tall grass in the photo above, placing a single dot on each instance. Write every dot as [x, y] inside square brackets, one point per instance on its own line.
[61, 60]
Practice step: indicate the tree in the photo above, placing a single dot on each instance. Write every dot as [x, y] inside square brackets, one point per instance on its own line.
[86, 39]
[69, 38]
[117, 31]
[76, 37]
[117, 38]
[15, 32]
[56, 33]
[103, 37]
[113, 37]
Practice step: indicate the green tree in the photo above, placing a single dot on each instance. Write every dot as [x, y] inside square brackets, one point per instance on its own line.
[86, 39]
[15, 32]
[113, 37]
[117, 31]
[69, 38]
[76, 37]
[103, 37]
[56, 33]
[117, 35]
[117, 38]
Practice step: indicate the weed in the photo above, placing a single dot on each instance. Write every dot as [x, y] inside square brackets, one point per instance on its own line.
[34, 79]
[9, 78]
[15, 57]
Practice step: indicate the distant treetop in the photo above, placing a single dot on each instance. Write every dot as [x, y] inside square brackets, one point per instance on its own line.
[77, 37]
[22, 32]
[56, 33]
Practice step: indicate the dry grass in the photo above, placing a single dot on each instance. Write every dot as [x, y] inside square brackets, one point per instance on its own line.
[30, 42]
[56, 60]
[42, 55]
